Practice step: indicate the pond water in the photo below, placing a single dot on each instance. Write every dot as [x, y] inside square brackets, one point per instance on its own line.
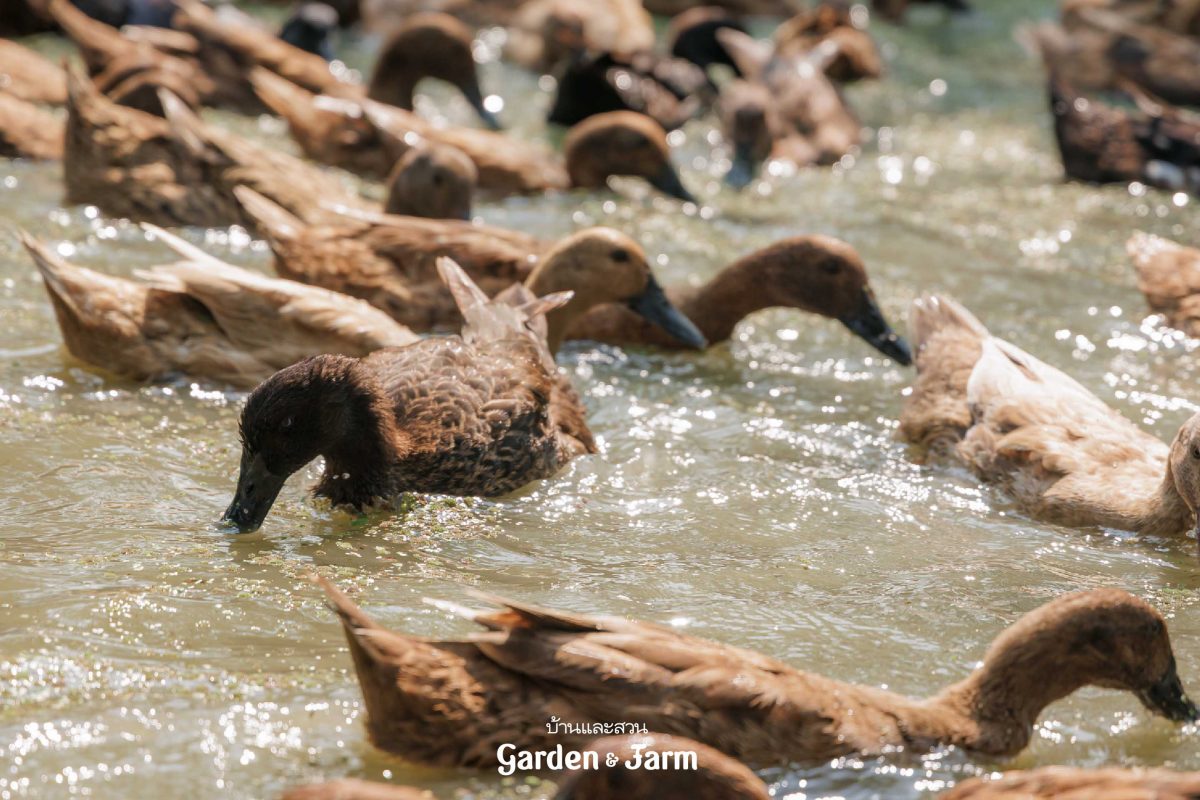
[755, 494]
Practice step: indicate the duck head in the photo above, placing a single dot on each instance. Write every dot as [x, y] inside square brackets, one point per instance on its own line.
[622, 143]
[1184, 466]
[432, 180]
[310, 29]
[1103, 637]
[601, 265]
[430, 45]
[818, 274]
[749, 123]
[325, 405]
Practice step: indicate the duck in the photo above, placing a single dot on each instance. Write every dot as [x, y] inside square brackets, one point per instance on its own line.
[429, 45]
[479, 414]
[1072, 783]
[1099, 143]
[1095, 48]
[29, 131]
[1168, 274]
[814, 273]
[452, 703]
[432, 180]
[368, 138]
[544, 34]
[390, 261]
[179, 170]
[203, 318]
[857, 56]
[806, 103]
[669, 90]
[617, 769]
[751, 125]
[1056, 448]
[27, 75]
[896, 10]
[310, 28]
[692, 36]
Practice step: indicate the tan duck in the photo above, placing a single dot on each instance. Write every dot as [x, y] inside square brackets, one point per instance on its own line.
[755, 132]
[368, 138]
[1169, 276]
[29, 76]
[432, 180]
[204, 318]
[428, 45]
[27, 131]
[390, 263]
[857, 56]
[544, 33]
[480, 414]
[536, 678]
[618, 768]
[179, 171]
[805, 101]
[1065, 456]
[1072, 783]
[817, 274]
[1099, 143]
[1095, 48]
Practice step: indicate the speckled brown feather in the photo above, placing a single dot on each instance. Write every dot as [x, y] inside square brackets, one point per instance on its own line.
[30, 76]
[27, 131]
[453, 702]
[1072, 783]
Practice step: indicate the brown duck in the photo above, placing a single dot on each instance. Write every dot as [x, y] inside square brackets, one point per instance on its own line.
[817, 274]
[1071, 783]
[1169, 276]
[27, 131]
[857, 56]
[711, 776]
[1102, 144]
[755, 132]
[480, 414]
[432, 180]
[179, 171]
[204, 318]
[428, 45]
[29, 76]
[454, 702]
[1065, 456]
[390, 263]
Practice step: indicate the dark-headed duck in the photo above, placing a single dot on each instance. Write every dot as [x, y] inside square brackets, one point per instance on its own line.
[432, 180]
[453, 703]
[481, 414]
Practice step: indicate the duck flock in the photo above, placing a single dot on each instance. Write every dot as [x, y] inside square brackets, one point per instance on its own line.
[412, 348]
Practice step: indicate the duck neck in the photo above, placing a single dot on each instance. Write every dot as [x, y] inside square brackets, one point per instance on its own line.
[719, 305]
[363, 445]
[1163, 513]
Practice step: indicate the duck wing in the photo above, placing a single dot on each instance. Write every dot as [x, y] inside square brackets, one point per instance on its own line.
[27, 131]
[30, 76]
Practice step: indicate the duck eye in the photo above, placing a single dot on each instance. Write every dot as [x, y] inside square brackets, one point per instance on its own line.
[1196, 452]
[287, 423]
[620, 255]
[831, 267]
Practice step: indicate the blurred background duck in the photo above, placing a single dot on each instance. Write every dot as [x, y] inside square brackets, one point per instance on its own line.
[203, 318]
[389, 262]
[1056, 448]
[479, 414]
[30, 76]
[27, 131]
[1168, 274]
[816, 274]
[715, 776]
[840, 25]
[451, 703]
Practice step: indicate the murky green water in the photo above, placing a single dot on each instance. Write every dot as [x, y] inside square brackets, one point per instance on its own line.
[755, 494]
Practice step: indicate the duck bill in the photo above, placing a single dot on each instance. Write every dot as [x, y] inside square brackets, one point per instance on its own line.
[652, 304]
[1166, 697]
[475, 98]
[869, 324]
[743, 169]
[667, 181]
[257, 488]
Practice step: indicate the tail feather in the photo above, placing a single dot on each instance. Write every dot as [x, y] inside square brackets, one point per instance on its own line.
[71, 285]
[279, 94]
[932, 313]
[370, 643]
[488, 320]
[275, 221]
[187, 127]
